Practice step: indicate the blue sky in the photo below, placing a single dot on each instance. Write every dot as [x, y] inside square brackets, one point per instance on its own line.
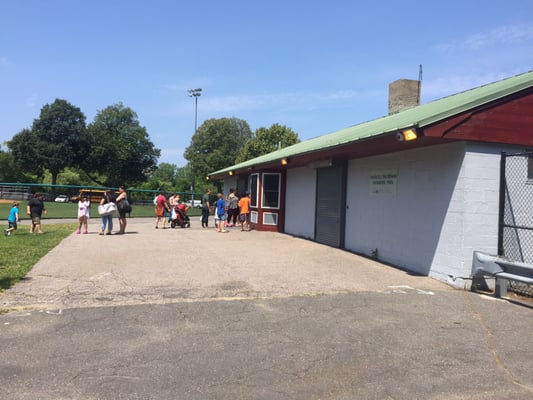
[314, 66]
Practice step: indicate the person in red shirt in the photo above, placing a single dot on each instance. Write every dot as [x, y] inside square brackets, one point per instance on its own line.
[160, 207]
[244, 216]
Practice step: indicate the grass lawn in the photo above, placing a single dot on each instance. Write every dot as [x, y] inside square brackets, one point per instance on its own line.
[21, 251]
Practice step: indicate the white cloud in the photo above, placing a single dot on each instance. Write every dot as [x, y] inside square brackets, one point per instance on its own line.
[288, 100]
[498, 37]
[442, 87]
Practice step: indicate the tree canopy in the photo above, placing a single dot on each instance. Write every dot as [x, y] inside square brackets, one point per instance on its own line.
[53, 142]
[267, 140]
[119, 150]
[116, 150]
[10, 170]
[215, 145]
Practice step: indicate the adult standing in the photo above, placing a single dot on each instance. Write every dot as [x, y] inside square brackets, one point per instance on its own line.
[160, 207]
[107, 220]
[233, 208]
[122, 221]
[172, 201]
[206, 206]
[35, 210]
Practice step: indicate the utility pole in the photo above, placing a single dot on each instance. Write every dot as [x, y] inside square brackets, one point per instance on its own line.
[194, 93]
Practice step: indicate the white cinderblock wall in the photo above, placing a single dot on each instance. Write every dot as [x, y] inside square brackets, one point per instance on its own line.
[229, 183]
[422, 220]
[446, 206]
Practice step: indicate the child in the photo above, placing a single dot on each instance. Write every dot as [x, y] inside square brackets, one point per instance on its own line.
[221, 213]
[244, 217]
[12, 219]
[83, 214]
[216, 216]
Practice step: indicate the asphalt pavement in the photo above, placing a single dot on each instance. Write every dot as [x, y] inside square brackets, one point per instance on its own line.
[195, 314]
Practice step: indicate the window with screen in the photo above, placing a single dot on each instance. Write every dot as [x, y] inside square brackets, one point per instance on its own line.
[271, 193]
[253, 190]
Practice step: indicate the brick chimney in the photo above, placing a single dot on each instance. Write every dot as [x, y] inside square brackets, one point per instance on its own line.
[403, 94]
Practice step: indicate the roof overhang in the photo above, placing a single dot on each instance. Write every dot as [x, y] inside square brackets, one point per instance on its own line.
[473, 115]
[377, 145]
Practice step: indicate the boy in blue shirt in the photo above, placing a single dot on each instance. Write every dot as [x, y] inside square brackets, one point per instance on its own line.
[221, 213]
[12, 219]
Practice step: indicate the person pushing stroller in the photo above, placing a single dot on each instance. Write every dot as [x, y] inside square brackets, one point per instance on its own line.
[179, 215]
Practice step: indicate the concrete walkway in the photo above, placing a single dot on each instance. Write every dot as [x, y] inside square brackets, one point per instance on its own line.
[174, 265]
[146, 316]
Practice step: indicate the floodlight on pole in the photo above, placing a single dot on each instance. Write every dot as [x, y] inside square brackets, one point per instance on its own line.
[194, 93]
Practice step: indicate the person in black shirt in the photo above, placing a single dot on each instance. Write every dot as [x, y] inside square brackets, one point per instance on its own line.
[35, 210]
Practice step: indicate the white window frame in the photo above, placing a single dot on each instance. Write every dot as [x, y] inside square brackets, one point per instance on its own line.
[274, 217]
[254, 217]
[263, 190]
[256, 191]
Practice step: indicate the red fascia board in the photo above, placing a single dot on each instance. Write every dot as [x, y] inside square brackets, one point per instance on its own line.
[507, 122]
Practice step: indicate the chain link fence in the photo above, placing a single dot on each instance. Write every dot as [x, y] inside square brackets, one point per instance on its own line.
[70, 193]
[516, 228]
[141, 199]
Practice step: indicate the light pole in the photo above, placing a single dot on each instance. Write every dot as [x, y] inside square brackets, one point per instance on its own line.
[194, 93]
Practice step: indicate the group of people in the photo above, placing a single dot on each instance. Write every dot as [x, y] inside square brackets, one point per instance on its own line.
[34, 209]
[107, 219]
[164, 208]
[227, 210]
[109, 198]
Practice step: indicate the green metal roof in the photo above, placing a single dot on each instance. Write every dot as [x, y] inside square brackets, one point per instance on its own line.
[419, 116]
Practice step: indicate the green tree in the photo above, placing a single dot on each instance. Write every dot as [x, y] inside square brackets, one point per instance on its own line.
[120, 151]
[163, 178]
[10, 170]
[215, 145]
[267, 140]
[54, 141]
[165, 172]
[68, 176]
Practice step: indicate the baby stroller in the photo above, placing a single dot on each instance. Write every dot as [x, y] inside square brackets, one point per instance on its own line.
[179, 217]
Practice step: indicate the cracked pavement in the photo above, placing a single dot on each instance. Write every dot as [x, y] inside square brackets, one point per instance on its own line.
[191, 314]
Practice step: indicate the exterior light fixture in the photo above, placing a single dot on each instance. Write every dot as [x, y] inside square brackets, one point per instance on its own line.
[230, 173]
[284, 161]
[206, 178]
[407, 135]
